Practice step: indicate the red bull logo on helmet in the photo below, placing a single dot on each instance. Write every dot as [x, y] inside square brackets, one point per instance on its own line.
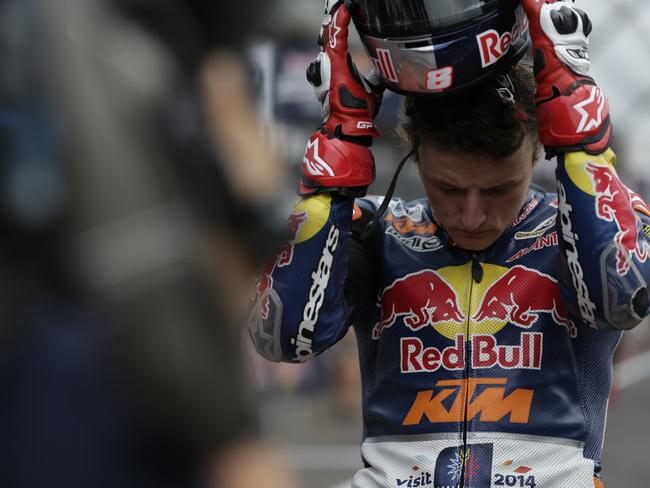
[493, 46]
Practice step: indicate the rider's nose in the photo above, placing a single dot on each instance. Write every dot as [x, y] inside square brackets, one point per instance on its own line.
[474, 213]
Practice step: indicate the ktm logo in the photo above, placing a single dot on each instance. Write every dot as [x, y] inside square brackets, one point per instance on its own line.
[487, 401]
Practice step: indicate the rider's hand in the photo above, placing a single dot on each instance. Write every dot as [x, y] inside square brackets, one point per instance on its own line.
[338, 155]
[573, 112]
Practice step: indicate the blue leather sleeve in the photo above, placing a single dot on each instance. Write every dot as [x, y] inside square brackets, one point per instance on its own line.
[605, 229]
[299, 309]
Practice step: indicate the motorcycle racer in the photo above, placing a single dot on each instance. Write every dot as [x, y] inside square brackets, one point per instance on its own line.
[487, 313]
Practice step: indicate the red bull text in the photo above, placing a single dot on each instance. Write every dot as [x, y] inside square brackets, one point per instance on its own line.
[486, 353]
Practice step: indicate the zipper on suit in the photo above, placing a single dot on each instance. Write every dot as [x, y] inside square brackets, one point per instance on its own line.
[477, 273]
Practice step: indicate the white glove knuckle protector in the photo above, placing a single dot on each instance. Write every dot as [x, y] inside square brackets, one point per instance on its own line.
[568, 29]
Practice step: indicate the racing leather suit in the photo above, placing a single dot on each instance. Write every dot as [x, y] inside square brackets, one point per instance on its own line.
[478, 369]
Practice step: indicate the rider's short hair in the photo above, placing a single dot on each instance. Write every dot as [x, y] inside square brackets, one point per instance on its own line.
[490, 120]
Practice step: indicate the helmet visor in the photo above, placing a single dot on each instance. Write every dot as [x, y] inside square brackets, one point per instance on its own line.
[405, 18]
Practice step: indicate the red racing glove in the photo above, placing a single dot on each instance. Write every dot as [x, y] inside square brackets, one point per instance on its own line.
[338, 156]
[573, 112]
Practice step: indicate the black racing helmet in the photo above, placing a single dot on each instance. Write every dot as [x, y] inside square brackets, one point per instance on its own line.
[440, 46]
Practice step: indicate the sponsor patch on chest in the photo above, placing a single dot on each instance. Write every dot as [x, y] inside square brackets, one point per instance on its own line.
[418, 243]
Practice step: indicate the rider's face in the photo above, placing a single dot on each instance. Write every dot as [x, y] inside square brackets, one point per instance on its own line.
[475, 199]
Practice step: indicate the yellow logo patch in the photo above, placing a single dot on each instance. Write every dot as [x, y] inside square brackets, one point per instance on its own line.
[318, 209]
[576, 163]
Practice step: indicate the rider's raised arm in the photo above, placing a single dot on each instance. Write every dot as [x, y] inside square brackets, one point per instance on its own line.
[300, 308]
[605, 228]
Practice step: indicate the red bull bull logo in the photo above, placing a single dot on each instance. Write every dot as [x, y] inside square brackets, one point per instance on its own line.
[520, 296]
[420, 299]
[613, 204]
[430, 298]
[283, 258]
